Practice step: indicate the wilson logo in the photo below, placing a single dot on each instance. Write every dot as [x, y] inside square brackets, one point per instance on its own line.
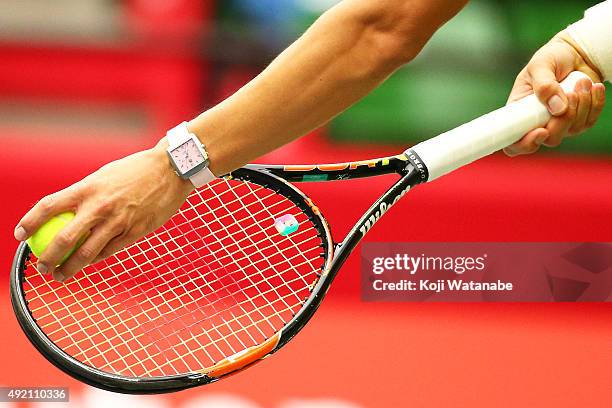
[382, 209]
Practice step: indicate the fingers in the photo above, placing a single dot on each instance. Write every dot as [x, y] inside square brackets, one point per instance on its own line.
[64, 242]
[87, 253]
[46, 208]
[547, 89]
[583, 90]
[521, 88]
[113, 247]
[529, 144]
[551, 136]
[121, 241]
[598, 102]
[558, 128]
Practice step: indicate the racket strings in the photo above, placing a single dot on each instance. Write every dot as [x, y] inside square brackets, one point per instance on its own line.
[169, 230]
[172, 304]
[147, 311]
[128, 272]
[159, 256]
[110, 288]
[159, 294]
[194, 301]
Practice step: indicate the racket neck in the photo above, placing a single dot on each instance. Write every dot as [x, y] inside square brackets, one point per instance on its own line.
[413, 177]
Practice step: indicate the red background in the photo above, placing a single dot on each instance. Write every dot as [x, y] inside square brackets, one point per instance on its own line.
[391, 355]
[364, 354]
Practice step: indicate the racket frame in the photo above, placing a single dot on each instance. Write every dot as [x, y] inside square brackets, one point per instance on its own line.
[277, 178]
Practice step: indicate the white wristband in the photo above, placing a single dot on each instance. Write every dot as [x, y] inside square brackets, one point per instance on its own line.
[594, 35]
[176, 137]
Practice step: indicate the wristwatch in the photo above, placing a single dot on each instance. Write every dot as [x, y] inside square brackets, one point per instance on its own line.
[188, 156]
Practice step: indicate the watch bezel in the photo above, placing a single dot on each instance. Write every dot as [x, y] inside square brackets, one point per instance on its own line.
[198, 168]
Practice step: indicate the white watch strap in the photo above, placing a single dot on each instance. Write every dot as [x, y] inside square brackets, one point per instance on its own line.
[202, 178]
[176, 137]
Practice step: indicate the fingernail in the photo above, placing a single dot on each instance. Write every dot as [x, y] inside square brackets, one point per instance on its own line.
[58, 276]
[556, 105]
[42, 268]
[20, 233]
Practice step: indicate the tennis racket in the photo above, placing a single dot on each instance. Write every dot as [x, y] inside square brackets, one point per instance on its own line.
[234, 275]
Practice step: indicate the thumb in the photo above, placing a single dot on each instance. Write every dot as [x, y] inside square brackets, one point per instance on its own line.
[548, 90]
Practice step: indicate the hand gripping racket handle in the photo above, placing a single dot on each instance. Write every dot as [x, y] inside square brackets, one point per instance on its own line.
[487, 134]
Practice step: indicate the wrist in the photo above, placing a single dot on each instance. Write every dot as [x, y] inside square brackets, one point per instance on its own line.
[208, 134]
[582, 62]
[160, 154]
[593, 34]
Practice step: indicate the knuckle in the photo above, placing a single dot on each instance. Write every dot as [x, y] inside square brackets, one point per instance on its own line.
[585, 97]
[65, 238]
[85, 253]
[46, 203]
[104, 207]
[76, 190]
[545, 88]
[118, 228]
[84, 188]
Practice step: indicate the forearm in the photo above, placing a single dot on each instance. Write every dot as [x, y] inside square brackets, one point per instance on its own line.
[347, 53]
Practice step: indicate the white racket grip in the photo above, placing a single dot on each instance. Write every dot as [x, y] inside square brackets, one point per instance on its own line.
[487, 134]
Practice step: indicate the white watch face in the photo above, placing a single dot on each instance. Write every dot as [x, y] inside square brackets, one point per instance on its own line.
[187, 156]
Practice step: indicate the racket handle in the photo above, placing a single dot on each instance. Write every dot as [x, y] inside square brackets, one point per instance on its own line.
[487, 134]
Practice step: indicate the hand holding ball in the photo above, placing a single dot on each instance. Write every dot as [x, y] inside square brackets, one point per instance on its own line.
[39, 241]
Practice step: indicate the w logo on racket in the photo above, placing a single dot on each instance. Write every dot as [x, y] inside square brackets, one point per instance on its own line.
[383, 207]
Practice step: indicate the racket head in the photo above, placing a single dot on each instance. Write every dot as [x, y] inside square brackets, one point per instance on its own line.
[115, 355]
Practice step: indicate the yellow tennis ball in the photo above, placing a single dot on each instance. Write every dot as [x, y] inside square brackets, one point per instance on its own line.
[39, 241]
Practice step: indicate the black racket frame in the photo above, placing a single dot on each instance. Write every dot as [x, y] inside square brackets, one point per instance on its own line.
[275, 177]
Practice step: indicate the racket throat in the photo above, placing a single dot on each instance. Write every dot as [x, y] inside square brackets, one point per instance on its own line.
[342, 250]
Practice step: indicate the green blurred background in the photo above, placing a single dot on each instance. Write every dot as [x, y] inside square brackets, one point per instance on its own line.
[467, 69]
